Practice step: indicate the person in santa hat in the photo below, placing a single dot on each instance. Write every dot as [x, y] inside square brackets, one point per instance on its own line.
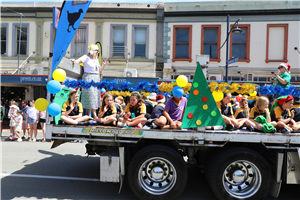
[283, 77]
[280, 113]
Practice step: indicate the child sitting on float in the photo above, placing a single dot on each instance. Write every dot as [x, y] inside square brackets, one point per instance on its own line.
[135, 112]
[171, 117]
[280, 112]
[108, 111]
[226, 110]
[261, 110]
[243, 110]
[120, 105]
[150, 103]
[72, 110]
[157, 110]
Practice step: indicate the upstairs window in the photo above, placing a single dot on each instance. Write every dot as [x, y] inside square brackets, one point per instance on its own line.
[118, 41]
[140, 42]
[277, 43]
[3, 39]
[23, 45]
[182, 43]
[240, 44]
[210, 41]
[80, 41]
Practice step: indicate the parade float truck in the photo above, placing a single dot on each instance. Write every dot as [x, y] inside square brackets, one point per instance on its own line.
[237, 164]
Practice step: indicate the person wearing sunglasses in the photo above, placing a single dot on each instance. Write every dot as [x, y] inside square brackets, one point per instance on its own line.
[91, 98]
[283, 77]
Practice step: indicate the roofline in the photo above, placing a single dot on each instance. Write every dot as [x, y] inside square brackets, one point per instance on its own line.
[91, 9]
[231, 12]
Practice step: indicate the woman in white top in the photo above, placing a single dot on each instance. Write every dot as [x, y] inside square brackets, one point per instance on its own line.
[32, 119]
[91, 98]
[43, 124]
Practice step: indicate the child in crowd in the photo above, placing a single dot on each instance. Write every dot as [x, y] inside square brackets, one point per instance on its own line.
[260, 109]
[108, 111]
[18, 126]
[25, 125]
[280, 112]
[12, 123]
[243, 111]
[150, 103]
[135, 112]
[43, 124]
[32, 119]
[171, 117]
[227, 113]
[72, 110]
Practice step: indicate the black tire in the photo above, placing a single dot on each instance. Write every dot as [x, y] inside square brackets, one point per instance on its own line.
[157, 172]
[240, 173]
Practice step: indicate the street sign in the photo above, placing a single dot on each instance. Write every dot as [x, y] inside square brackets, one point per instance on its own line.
[233, 60]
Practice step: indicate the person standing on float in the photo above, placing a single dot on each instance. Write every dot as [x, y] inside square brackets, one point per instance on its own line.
[91, 98]
[283, 76]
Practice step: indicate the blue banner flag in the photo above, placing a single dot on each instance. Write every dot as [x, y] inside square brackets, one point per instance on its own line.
[70, 18]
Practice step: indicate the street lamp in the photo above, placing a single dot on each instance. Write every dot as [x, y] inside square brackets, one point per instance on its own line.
[236, 30]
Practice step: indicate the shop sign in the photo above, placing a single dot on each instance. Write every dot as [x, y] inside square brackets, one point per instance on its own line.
[24, 79]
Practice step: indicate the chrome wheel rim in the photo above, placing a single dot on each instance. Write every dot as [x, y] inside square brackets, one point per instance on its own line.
[157, 176]
[242, 179]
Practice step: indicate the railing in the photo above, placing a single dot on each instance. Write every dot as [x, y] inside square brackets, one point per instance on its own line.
[117, 53]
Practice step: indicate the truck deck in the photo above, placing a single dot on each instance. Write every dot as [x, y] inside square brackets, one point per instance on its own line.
[185, 137]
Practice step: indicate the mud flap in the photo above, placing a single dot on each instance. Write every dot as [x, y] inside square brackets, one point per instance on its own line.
[122, 167]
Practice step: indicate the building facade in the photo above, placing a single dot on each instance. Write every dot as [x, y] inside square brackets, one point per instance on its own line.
[153, 40]
[270, 34]
[130, 35]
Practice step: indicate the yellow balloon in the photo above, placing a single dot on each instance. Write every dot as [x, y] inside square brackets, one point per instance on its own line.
[59, 75]
[218, 95]
[253, 94]
[41, 104]
[182, 81]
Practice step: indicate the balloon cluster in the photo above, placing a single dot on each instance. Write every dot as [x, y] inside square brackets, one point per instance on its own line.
[181, 81]
[53, 87]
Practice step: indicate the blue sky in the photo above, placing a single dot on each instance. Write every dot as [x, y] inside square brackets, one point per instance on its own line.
[106, 1]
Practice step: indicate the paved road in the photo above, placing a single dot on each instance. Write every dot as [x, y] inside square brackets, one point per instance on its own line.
[31, 170]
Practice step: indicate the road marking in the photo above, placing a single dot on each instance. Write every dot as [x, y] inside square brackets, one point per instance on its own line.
[50, 177]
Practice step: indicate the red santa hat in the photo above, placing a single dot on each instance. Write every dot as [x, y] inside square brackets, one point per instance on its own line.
[75, 90]
[160, 98]
[287, 66]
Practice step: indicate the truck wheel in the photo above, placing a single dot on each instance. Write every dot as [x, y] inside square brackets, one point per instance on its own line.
[240, 173]
[157, 172]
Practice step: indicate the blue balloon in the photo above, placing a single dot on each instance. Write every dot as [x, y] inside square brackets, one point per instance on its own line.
[103, 90]
[53, 109]
[53, 86]
[177, 91]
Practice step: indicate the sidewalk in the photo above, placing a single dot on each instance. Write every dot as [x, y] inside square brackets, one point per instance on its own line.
[6, 134]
